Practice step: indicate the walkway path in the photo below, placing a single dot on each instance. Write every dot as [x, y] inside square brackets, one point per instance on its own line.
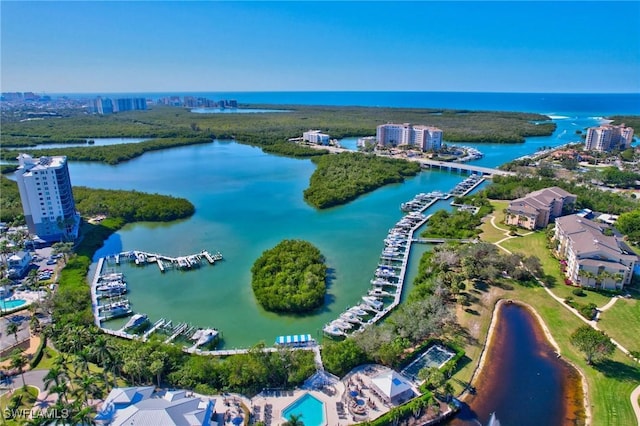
[634, 402]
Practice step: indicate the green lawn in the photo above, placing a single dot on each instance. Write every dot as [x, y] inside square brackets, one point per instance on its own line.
[489, 232]
[28, 398]
[622, 323]
[536, 244]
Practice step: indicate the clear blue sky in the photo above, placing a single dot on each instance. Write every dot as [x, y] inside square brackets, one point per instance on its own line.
[287, 46]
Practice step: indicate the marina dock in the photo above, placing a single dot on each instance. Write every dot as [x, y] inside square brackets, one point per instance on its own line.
[394, 259]
[164, 262]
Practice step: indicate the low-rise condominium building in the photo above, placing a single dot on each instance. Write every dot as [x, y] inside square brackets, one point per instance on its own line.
[316, 136]
[540, 207]
[594, 256]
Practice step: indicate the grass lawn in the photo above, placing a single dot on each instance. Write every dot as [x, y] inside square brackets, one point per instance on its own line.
[536, 244]
[489, 232]
[27, 397]
[622, 323]
[48, 356]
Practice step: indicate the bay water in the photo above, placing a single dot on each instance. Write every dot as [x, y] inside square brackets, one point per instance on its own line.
[247, 201]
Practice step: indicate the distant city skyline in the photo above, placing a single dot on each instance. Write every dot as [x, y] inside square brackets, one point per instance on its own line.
[203, 46]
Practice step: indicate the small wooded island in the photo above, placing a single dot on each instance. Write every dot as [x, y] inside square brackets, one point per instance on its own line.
[290, 277]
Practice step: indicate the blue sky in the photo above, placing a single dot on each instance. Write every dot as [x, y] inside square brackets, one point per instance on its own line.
[105, 46]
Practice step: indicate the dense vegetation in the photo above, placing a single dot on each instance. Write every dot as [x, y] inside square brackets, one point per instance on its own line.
[132, 206]
[10, 204]
[341, 178]
[612, 176]
[270, 128]
[127, 205]
[291, 277]
[629, 224]
[512, 187]
[459, 224]
[629, 120]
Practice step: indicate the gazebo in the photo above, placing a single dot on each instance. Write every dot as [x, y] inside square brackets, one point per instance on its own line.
[393, 387]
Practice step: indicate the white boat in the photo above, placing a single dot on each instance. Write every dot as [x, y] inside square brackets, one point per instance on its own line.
[113, 285]
[114, 276]
[373, 302]
[343, 325]
[376, 292]
[332, 330]
[135, 321]
[350, 317]
[203, 337]
[379, 282]
[357, 310]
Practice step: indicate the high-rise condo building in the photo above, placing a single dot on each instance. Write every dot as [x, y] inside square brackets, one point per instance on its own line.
[47, 199]
[608, 137]
[427, 138]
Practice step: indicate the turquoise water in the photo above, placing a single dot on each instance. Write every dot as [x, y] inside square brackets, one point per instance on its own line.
[246, 202]
[7, 305]
[309, 407]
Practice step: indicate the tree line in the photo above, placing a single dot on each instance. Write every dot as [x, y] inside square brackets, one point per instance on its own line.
[341, 178]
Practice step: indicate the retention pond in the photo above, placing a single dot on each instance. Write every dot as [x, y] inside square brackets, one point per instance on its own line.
[523, 380]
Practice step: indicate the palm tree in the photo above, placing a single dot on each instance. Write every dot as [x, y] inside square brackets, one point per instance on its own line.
[294, 420]
[32, 279]
[586, 274]
[13, 328]
[19, 361]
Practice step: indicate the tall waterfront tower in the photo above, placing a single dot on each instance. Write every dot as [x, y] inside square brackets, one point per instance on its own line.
[47, 200]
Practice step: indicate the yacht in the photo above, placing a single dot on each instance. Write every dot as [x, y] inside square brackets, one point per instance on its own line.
[343, 325]
[204, 336]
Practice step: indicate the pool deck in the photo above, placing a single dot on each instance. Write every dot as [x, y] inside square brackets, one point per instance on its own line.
[331, 395]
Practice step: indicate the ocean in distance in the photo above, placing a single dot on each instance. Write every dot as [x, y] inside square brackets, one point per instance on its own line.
[544, 103]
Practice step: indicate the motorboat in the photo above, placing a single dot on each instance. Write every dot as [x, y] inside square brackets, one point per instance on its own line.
[204, 336]
[379, 282]
[136, 321]
[357, 310]
[376, 292]
[373, 302]
[350, 317]
[332, 330]
[114, 276]
[343, 325]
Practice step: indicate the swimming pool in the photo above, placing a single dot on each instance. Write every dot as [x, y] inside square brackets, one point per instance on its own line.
[7, 305]
[435, 356]
[309, 408]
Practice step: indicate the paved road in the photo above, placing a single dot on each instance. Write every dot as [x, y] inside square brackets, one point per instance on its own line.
[31, 378]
